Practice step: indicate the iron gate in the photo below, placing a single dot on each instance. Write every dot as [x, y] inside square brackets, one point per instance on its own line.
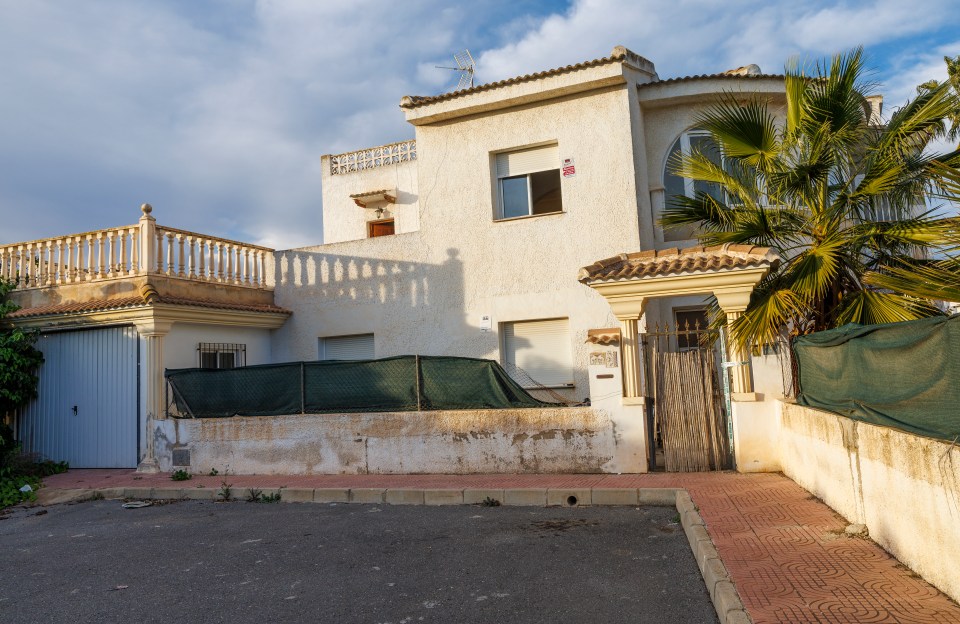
[690, 422]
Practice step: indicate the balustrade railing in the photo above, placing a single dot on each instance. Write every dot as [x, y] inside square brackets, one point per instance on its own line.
[373, 157]
[142, 249]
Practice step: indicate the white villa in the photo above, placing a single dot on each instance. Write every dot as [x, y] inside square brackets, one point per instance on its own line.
[519, 225]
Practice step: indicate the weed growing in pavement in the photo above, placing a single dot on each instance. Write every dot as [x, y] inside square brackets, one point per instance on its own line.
[257, 496]
[226, 491]
[181, 475]
[490, 502]
[214, 472]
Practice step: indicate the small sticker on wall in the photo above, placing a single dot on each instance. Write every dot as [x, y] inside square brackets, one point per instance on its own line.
[569, 169]
[486, 323]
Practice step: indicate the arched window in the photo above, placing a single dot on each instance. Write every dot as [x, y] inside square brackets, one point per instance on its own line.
[690, 141]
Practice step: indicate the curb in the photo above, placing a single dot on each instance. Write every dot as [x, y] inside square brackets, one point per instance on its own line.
[722, 591]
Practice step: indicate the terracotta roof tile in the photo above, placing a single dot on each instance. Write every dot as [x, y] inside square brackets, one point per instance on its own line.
[721, 76]
[103, 305]
[608, 335]
[645, 264]
[96, 305]
[414, 101]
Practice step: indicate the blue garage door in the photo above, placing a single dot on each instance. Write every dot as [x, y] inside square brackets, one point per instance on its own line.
[87, 409]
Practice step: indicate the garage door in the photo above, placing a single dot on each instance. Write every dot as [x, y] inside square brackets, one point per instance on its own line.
[87, 409]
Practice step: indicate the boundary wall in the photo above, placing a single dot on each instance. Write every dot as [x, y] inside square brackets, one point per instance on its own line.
[531, 440]
[903, 487]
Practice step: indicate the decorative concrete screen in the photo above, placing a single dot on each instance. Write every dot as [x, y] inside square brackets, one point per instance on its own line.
[900, 375]
[404, 383]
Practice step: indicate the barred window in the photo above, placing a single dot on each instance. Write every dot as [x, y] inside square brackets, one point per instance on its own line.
[221, 355]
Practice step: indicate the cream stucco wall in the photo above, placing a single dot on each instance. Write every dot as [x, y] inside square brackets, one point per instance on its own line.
[343, 220]
[904, 488]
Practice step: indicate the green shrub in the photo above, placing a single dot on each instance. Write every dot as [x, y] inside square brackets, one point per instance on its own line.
[18, 469]
[181, 475]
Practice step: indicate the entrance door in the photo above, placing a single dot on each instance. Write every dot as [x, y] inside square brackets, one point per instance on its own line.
[87, 409]
[689, 419]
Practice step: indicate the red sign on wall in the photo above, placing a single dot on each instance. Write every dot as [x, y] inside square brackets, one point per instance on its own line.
[569, 169]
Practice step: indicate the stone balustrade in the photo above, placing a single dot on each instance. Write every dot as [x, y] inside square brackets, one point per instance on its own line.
[142, 249]
[373, 157]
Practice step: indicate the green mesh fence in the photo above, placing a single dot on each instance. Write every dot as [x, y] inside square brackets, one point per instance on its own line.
[900, 375]
[397, 384]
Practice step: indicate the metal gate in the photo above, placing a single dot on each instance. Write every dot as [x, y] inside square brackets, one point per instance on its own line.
[689, 416]
[87, 409]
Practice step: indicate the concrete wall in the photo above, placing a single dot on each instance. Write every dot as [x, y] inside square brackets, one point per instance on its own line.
[904, 488]
[570, 440]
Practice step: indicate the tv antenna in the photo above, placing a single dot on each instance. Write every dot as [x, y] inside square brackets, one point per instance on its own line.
[465, 67]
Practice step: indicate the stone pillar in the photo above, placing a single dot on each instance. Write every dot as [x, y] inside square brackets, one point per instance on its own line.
[153, 331]
[629, 311]
[734, 304]
[147, 241]
[630, 348]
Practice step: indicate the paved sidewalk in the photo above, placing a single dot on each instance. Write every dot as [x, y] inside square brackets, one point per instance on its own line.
[785, 550]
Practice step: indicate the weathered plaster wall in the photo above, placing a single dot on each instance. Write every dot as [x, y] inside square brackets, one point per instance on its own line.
[904, 488]
[579, 440]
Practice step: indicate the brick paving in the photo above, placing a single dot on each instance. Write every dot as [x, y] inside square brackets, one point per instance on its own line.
[785, 550]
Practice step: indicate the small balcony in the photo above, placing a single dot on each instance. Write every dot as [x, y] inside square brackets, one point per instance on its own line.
[140, 260]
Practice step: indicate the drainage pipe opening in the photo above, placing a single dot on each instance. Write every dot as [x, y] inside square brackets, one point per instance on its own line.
[572, 501]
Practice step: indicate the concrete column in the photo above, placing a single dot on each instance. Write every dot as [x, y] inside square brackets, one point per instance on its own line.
[630, 346]
[734, 302]
[629, 310]
[153, 331]
[741, 382]
[147, 241]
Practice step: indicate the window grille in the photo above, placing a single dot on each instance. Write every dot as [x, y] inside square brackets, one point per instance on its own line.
[221, 355]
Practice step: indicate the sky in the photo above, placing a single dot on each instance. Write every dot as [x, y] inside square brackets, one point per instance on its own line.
[216, 112]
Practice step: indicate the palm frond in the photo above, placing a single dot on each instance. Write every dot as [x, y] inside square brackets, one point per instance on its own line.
[872, 307]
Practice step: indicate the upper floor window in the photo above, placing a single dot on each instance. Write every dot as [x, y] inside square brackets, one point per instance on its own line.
[528, 182]
[689, 142]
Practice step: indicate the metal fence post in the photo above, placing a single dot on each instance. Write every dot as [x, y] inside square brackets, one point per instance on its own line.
[303, 388]
[416, 361]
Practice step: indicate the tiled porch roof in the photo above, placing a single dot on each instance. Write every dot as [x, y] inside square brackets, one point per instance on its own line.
[646, 264]
[123, 303]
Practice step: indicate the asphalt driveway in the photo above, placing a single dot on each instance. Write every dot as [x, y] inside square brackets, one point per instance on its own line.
[254, 562]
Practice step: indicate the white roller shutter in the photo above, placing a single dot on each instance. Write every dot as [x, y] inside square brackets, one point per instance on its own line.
[541, 349]
[359, 347]
[528, 161]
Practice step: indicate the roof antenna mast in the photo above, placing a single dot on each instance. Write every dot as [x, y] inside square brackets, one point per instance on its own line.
[465, 67]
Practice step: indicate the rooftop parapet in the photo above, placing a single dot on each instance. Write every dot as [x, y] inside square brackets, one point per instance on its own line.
[373, 157]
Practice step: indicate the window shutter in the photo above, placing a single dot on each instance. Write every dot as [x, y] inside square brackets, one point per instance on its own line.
[541, 349]
[358, 347]
[528, 161]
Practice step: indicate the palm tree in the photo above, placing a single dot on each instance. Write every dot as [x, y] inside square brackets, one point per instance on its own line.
[953, 79]
[833, 192]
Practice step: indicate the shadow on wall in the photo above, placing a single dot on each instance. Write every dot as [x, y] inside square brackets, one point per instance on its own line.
[410, 307]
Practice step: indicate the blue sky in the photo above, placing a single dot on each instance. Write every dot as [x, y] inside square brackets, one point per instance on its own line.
[217, 111]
